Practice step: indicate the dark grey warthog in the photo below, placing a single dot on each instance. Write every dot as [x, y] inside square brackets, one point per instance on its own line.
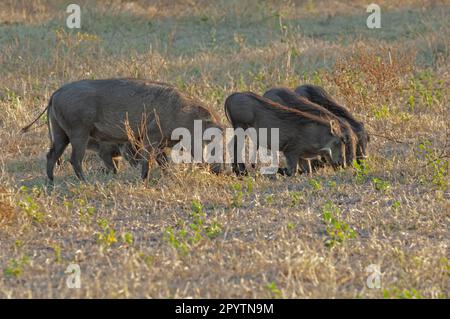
[289, 98]
[99, 109]
[319, 96]
[301, 135]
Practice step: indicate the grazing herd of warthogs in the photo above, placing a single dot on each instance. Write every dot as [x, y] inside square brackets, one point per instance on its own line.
[99, 115]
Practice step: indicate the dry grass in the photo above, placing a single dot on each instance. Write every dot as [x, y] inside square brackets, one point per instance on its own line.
[192, 234]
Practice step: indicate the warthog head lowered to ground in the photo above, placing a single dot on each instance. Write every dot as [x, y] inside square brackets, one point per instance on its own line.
[104, 110]
[289, 98]
[319, 96]
[301, 135]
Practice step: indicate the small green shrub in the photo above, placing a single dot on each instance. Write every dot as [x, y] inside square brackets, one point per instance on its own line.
[30, 206]
[274, 290]
[382, 113]
[16, 267]
[128, 238]
[361, 170]
[295, 198]
[380, 185]
[57, 250]
[213, 230]
[396, 293]
[396, 205]
[337, 230]
[197, 230]
[315, 184]
[238, 196]
[84, 211]
[439, 165]
[107, 236]
[269, 199]
[240, 192]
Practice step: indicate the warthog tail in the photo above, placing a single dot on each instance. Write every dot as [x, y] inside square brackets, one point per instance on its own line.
[27, 128]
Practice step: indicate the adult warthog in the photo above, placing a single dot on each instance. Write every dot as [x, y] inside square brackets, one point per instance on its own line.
[110, 153]
[301, 135]
[318, 95]
[290, 99]
[106, 111]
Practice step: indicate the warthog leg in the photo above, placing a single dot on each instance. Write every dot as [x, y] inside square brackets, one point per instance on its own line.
[112, 164]
[60, 140]
[238, 168]
[107, 152]
[310, 165]
[79, 140]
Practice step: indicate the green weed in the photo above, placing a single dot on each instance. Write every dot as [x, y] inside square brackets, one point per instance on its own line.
[337, 230]
[16, 267]
[274, 290]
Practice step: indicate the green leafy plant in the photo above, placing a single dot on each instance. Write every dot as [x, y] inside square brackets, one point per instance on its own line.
[147, 259]
[332, 184]
[240, 191]
[438, 163]
[249, 185]
[176, 239]
[396, 293]
[84, 211]
[425, 89]
[295, 198]
[274, 290]
[269, 199]
[380, 185]
[197, 225]
[213, 230]
[128, 238]
[315, 184]
[411, 103]
[16, 267]
[361, 170]
[382, 112]
[197, 230]
[238, 196]
[396, 205]
[107, 236]
[30, 206]
[18, 243]
[57, 250]
[337, 230]
[13, 99]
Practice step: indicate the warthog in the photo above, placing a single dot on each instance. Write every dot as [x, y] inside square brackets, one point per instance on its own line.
[319, 96]
[102, 110]
[290, 99]
[301, 135]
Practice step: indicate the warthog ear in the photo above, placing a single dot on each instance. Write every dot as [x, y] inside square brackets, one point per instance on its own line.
[334, 127]
[326, 151]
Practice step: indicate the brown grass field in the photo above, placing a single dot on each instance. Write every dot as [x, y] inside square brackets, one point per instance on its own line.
[189, 233]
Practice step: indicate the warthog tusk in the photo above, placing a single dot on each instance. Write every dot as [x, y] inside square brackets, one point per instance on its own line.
[328, 150]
